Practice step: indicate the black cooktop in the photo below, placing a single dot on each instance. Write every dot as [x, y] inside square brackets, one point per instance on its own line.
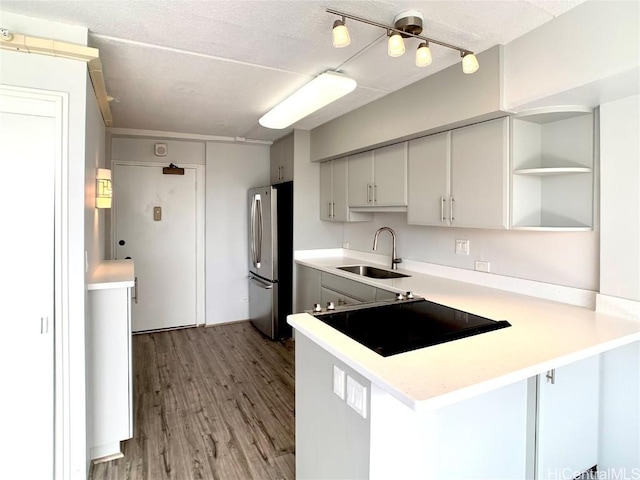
[407, 325]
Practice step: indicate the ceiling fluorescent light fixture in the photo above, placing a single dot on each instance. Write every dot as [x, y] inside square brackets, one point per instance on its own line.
[319, 92]
[408, 25]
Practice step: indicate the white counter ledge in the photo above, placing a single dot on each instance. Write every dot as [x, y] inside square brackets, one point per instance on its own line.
[112, 274]
[544, 335]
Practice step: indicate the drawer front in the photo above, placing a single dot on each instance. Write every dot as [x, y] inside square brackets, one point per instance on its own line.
[350, 288]
[384, 295]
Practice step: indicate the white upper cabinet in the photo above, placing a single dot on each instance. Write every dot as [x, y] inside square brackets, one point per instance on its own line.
[333, 193]
[429, 180]
[480, 175]
[379, 178]
[552, 161]
[282, 160]
[460, 178]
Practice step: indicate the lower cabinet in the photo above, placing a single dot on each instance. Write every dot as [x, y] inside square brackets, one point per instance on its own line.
[567, 420]
[110, 405]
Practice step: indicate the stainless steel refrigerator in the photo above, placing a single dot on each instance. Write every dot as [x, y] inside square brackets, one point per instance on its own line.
[271, 258]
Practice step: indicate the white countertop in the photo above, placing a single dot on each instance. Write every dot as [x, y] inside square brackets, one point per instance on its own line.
[544, 335]
[112, 274]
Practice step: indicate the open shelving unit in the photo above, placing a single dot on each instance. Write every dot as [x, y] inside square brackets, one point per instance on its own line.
[552, 169]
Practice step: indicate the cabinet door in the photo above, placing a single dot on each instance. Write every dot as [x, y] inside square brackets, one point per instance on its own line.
[567, 433]
[340, 175]
[326, 191]
[360, 191]
[429, 180]
[276, 162]
[286, 159]
[28, 136]
[390, 176]
[480, 175]
[338, 299]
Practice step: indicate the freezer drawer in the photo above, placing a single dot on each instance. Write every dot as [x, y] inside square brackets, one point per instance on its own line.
[263, 305]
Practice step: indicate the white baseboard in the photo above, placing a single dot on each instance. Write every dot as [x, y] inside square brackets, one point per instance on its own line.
[618, 307]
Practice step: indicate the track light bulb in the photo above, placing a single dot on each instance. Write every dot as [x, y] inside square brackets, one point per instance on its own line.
[469, 63]
[423, 55]
[340, 34]
[395, 47]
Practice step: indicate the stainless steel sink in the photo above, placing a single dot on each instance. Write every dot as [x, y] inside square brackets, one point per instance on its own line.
[371, 272]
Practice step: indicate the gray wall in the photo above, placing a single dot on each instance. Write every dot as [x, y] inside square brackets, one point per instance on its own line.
[448, 97]
[309, 231]
[232, 169]
[560, 258]
[332, 440]
[620, 190]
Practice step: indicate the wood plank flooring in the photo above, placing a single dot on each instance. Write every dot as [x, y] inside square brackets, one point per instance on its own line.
[210, 403]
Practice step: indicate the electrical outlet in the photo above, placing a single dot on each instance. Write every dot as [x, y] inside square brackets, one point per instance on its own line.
[462, 247]
[345, 245]
[338, 382]
[482, 266]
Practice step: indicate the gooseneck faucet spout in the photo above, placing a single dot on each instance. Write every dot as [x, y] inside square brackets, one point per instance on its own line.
[394, 256]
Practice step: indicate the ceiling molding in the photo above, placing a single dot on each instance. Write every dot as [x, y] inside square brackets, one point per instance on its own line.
[135, 132]
[42, 46]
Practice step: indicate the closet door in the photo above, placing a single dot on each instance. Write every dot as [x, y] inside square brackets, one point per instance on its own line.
[28, 152]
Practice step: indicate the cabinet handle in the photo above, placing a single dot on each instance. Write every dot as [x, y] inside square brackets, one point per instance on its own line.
[452, 214]
[368, 193]
[375, 193]
[329, 209]
[135, 290]
[333, 210]
[443, 219]
[551, 376]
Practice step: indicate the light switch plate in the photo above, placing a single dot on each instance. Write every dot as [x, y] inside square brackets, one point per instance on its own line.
[482, 266]
[357, 396]
[338, 382]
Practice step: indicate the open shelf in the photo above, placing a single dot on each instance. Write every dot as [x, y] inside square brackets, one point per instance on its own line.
[541, 171]
[552, 169]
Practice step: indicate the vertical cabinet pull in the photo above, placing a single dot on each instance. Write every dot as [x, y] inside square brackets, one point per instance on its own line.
[44, 325]
[368, 193]
[375, 193]
[135, 290]
[329, 209]
[551, 376]
[452, 217]
[333, 210]
[443, 219]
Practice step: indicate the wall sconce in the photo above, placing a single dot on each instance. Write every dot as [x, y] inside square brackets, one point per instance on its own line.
[104, 191]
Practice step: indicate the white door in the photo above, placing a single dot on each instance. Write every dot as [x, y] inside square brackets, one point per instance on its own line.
[155, 225]
[28, 152]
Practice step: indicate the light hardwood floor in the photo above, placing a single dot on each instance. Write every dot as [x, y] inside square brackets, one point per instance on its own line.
[210, 403]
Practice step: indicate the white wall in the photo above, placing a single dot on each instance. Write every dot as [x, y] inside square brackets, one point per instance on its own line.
[232, 169]
[620, 190]
[63, 75]
[139, 149]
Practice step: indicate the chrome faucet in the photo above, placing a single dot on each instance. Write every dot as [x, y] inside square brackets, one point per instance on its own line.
[394, 256]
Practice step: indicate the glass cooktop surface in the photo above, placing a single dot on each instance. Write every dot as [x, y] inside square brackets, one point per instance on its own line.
[400, 327]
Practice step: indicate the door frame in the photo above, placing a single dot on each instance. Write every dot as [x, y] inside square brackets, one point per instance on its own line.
[200, 227]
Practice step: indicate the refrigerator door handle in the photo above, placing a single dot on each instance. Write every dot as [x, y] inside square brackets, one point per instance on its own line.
[260, 283]
[259, 228]
[252, 242]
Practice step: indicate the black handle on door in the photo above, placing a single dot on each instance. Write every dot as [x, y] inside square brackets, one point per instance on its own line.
[121, 242]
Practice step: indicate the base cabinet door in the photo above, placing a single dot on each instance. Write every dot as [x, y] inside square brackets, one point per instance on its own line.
[110, 406]
[567, 423]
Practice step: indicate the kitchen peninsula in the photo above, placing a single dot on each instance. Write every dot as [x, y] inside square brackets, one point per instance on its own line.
[479, 407]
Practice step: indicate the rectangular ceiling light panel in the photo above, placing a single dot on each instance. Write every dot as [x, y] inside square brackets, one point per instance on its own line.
[319, 92]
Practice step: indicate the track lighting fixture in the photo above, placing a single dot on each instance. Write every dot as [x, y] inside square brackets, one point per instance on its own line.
[469, 62]
[423, 55]
[406, 25]
[340, 34]
[395, 46]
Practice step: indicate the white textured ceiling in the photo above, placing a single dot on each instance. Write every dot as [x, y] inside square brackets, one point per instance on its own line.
[215, 67]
